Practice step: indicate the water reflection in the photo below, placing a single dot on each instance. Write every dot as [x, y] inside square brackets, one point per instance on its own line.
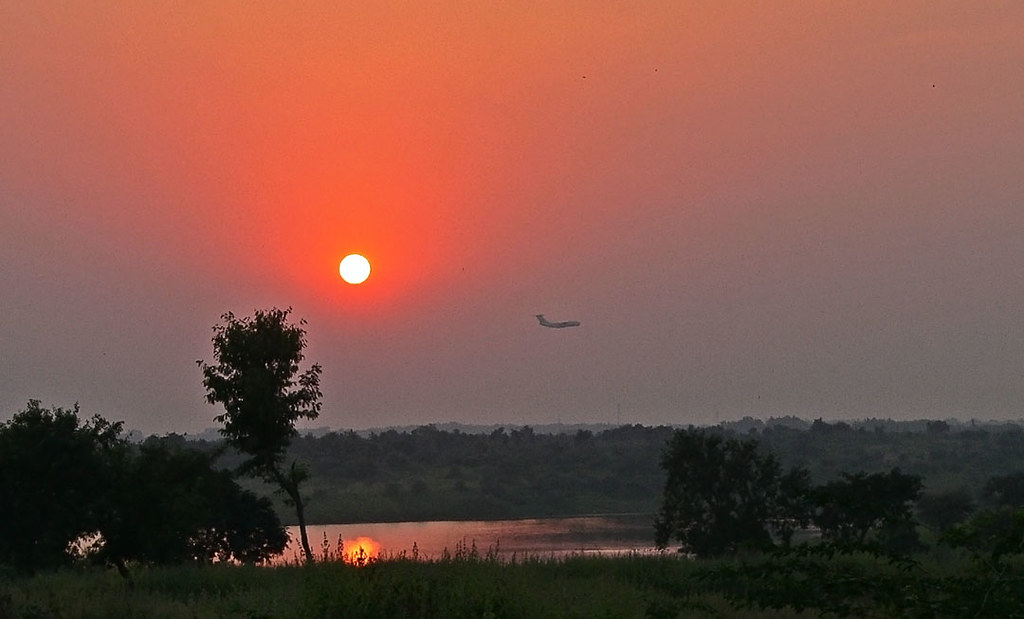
[546, 537]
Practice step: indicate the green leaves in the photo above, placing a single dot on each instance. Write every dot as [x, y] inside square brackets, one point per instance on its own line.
[256, 379]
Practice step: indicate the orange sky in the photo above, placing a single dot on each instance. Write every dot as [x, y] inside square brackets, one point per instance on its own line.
[803, 208]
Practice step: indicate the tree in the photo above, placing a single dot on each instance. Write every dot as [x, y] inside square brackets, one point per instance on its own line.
[170, 505]
[997, 530]
[794, 504]
[246, 530]
[256, 378]
[939, 511]
[69, 487]
[1004, 490]
[722, 495]
[850, 508]
[990, 534]
[53, 472]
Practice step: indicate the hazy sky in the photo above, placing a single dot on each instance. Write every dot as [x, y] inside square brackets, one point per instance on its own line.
[806, 208]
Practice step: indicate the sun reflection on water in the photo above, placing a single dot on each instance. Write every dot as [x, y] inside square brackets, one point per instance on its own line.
[361, 551]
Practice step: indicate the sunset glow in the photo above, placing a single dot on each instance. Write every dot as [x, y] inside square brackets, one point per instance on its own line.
[780, 208]
[361, 551]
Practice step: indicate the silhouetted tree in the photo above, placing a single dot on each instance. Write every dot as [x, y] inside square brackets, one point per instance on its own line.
[248, 530]
[170, 505]
[850, 508]
[53, 476]
[70, 487]
[722, 495]
[256, 378]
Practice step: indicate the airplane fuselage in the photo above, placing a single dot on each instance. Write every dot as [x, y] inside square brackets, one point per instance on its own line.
[561, 324]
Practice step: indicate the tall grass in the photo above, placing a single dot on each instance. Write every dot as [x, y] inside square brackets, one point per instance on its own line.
[462, 583]
[455, 586]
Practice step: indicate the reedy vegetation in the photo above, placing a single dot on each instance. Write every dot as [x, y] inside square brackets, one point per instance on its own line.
[807, 582]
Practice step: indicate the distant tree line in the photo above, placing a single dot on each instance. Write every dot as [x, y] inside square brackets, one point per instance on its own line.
[947, 456]
[428, 474]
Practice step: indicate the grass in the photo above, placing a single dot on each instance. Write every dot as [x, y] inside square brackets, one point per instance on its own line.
[468, 583]
[629, 586]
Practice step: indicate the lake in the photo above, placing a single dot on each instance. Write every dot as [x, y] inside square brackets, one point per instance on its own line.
[540, 537]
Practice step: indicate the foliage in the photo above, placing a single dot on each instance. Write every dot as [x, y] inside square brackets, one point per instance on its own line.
[838, 580]
[994, 539]
[1004, 490]
[427, 473]
[823, 577]
[722, 495]
[430, 474]
[53, 469]
[256, 379]
[794, 505]
[850, 508]
[965, 456]
[171, 505]
[941, 510]
[70, 487]
[990, 535]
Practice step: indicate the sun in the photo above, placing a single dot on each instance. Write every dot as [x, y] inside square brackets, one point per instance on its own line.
[354, 269]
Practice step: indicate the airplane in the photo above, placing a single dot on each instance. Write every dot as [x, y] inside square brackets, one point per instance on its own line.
[544, 322]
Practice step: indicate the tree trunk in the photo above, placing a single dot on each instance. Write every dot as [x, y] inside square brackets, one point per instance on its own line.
[291, 487]
[300, 513]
